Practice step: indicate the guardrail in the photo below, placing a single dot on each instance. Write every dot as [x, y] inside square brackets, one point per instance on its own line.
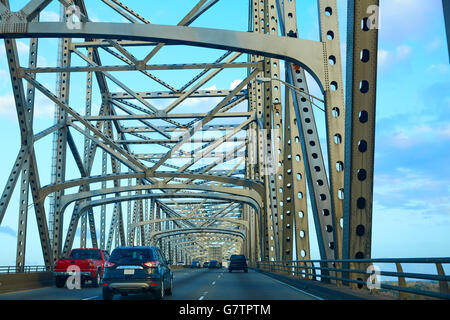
[25, 269]
[351, 272]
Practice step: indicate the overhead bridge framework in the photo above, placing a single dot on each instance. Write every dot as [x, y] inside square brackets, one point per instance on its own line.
[150, 174]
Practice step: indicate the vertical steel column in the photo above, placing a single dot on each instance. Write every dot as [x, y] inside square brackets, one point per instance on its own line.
[146, 219]
[112, 228]
[121, 227]
[83, 226]
[334, 100]
[59, 157]
[273, 107]
[141, 219]
[151, 217]
[300, 208]
[256, 95]
[294, 201]
[362, 47]
[308, 136]
[25, 181]
[92, 228]
[129, 214]
[104, 172]
[83, 230]
[294, 143]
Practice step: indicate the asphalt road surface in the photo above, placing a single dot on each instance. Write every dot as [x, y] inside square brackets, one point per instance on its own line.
[189, 284]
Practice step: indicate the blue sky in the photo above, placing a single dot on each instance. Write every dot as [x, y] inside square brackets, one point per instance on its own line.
[411, 216]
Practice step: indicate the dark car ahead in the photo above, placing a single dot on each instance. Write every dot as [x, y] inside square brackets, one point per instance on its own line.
[238, 262]
[195, 264]
[205, 264]
[214, 264]
[137, 270]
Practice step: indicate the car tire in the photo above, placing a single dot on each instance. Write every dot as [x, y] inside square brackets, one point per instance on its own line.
[246, 270]
[229, 270]
[96, 280]
[107, 294]
[170, 289]
[60, 282]
[159, 295]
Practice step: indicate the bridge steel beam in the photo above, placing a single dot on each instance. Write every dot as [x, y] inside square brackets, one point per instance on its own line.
[446, 7]
[362, 44]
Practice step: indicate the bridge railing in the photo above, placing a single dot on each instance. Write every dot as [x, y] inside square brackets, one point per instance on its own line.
[352, 272]
[25, 269]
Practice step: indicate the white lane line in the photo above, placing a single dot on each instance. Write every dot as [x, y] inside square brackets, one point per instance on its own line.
[304, 292]
[203, 295]
[213, 283]
[90, 298]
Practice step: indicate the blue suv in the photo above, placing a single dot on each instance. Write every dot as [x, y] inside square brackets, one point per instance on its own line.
[137, 270]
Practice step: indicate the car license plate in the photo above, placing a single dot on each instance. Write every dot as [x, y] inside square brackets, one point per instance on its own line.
[128, 271]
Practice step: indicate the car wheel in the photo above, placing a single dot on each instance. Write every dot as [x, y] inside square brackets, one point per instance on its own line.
[246, 270]
[107, 294]
[170, 289]
[60, 282]
[96, 280]
[229, 270]
[160, 294]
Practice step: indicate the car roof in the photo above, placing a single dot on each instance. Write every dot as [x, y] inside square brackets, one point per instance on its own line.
[137, 247]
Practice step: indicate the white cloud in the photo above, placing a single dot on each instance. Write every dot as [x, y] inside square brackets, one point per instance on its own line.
[22, 48]
[401, 19]
[388, 58]
[49, 16]
[407, 137]
[4, 75]
[439, 68]
[404, 183]
[403, 52]
[43, 108]
[234, 84]
[8, 107]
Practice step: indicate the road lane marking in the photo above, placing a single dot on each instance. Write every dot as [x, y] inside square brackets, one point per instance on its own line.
[203, 295]
[90, 298]
[213, 283]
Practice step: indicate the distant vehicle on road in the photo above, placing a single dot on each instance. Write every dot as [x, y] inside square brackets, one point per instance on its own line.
[89, 261]
[195, 264]
[180, 263]
[214, 264]
[137, 270]
[205, 264]
[238, 262]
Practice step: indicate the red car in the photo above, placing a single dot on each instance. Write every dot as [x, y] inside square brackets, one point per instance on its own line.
[89, 261]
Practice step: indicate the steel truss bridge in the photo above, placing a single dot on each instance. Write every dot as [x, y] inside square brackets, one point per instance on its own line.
[238, 174]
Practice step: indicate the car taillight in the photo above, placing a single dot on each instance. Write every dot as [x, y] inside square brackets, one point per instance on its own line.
[109, 264]
[152, 264]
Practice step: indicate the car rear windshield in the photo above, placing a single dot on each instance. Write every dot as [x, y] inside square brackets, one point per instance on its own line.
[85, 254]
[133, 256]
[237, 257]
